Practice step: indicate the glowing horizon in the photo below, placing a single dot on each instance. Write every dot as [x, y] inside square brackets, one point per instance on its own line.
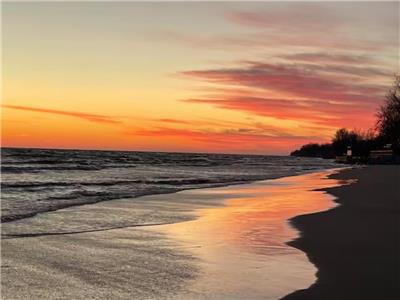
[225, 77]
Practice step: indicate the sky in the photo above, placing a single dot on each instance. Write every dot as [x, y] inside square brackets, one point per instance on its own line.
[224, 77]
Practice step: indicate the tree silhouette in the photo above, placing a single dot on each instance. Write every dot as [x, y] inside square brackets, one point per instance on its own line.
[388, 123]
[361, 143]
[344, 138]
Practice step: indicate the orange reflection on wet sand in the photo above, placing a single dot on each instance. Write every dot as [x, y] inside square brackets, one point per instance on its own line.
[242, 244]
[257, 219]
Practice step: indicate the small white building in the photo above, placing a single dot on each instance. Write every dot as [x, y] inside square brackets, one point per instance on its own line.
[349, 152]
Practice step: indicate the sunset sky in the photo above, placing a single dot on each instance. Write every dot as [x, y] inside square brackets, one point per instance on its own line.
[231, 77]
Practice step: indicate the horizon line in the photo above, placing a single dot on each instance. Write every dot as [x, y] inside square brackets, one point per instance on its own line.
[146, 151]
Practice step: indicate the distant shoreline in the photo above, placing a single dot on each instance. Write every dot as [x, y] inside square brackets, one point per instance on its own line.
[356, 245]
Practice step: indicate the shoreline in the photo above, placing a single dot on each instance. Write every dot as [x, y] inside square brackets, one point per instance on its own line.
[355, 245]
[18, 217]
[247, 223]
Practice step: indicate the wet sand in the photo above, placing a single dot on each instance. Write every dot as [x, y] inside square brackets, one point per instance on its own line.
[355, 246]
[218, 243]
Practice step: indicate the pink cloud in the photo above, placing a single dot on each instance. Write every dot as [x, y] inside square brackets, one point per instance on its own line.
[317, 112]
[323, 57]
[302, 81]
[296, 17]
[332, 95]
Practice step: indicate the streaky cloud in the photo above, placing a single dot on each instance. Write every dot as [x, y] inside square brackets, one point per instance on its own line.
[85, 116]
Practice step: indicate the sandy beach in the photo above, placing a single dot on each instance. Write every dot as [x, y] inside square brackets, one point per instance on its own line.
[356, 245]
[219, 243]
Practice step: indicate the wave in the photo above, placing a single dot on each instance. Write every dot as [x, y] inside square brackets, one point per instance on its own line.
[37, 180]
[177, 182]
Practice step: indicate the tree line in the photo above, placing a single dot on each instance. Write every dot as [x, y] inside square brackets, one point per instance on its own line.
[387, 132]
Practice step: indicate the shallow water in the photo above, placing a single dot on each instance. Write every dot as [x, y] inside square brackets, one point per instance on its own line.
[229, 243]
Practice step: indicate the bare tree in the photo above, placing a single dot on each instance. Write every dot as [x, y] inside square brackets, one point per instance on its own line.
[388, 123]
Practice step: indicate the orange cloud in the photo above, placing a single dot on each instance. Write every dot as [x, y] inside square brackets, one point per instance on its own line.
[237, 140]
[85, 116]
[174, 121]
